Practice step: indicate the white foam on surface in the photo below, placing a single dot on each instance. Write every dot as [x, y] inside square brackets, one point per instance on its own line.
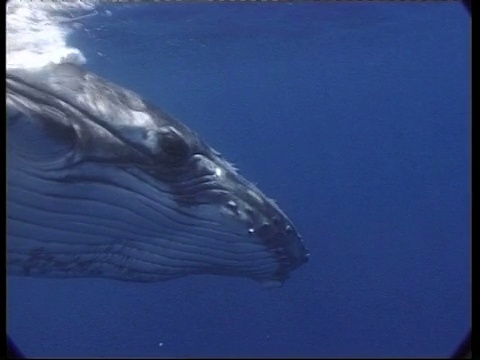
[37, 32]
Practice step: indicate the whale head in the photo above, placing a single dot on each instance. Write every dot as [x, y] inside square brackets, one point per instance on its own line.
[103, 184]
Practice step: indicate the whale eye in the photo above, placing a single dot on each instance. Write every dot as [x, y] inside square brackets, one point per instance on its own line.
[174, 149]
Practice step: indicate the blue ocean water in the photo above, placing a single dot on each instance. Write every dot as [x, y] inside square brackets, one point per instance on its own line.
[355, 117]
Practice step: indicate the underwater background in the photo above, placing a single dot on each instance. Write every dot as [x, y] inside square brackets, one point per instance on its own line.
[355, 117]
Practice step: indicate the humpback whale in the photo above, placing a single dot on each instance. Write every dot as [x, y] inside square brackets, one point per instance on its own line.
[100, 183]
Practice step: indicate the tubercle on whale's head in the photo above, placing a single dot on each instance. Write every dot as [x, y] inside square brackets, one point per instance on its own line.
[210, 219]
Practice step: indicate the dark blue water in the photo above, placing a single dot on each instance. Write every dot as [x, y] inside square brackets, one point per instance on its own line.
[356, 119]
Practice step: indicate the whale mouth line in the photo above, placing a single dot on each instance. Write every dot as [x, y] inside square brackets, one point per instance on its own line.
[103, 184]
